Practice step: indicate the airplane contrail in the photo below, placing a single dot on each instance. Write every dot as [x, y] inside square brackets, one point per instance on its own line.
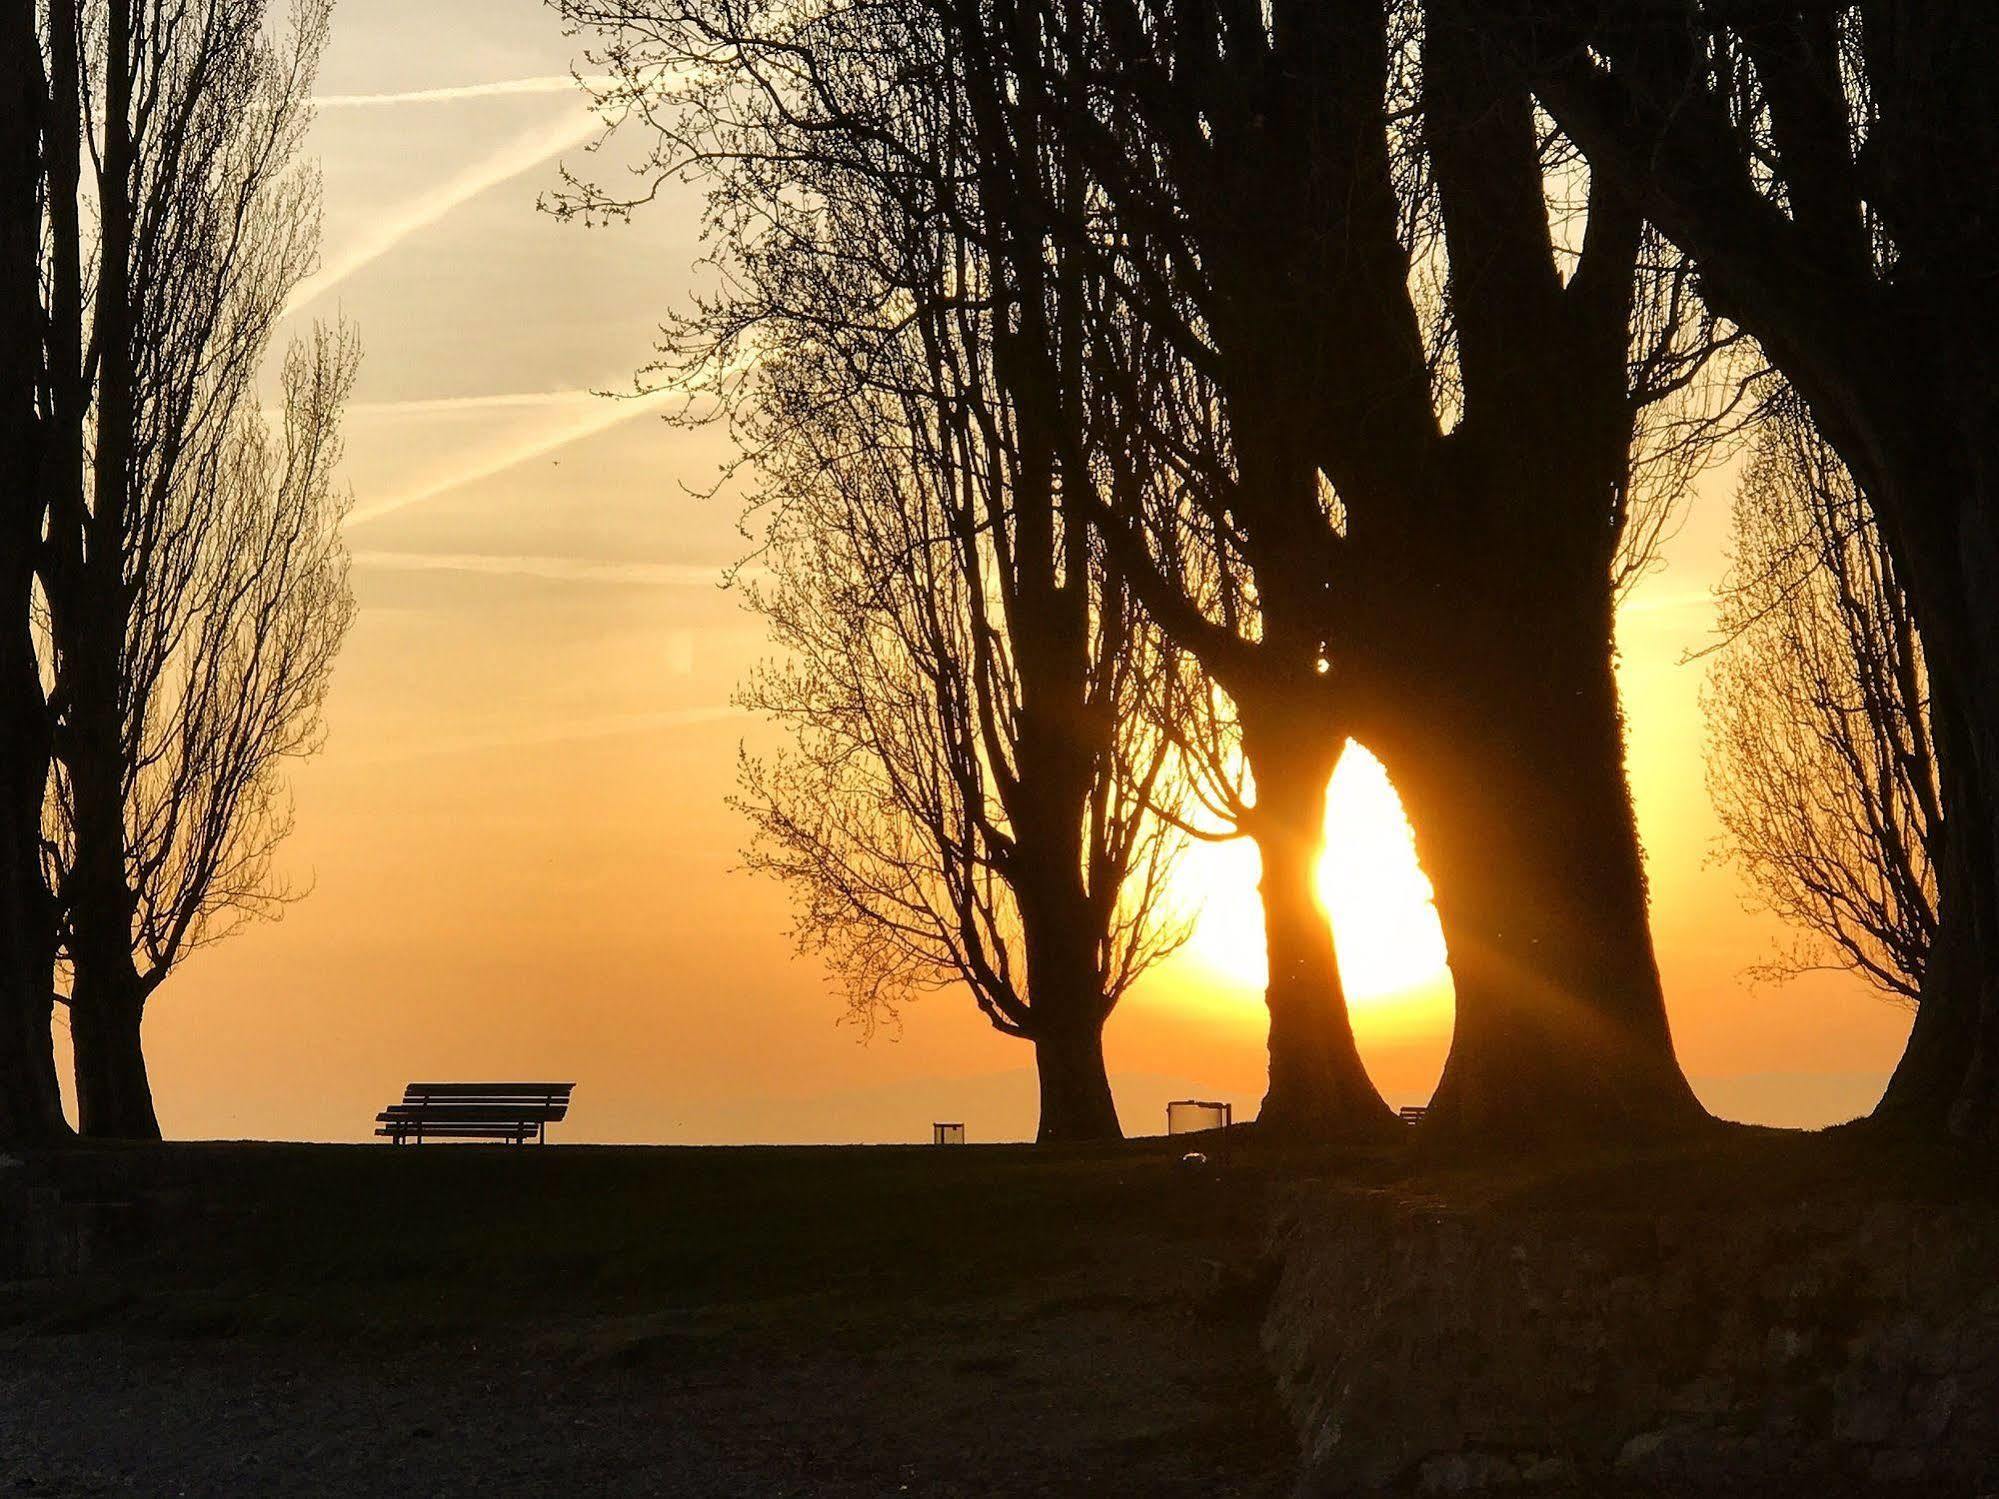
[546, 83]
[606, 414]
[519, 154]
[425, 405]
[551, 569]
[608, 726]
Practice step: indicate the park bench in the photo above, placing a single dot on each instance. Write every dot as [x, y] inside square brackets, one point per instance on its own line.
[514, 1112]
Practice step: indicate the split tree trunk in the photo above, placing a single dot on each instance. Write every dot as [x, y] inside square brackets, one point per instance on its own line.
[1319, 1087]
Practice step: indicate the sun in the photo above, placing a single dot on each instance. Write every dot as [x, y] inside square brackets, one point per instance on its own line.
[1391, 948]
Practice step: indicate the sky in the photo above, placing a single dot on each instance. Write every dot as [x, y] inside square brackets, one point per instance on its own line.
[514, 856]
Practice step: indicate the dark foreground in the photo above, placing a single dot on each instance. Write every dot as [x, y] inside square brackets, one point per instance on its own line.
[1004, 1321]
[496, 1321]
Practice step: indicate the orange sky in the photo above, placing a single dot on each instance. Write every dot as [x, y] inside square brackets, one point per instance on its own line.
[518, 855]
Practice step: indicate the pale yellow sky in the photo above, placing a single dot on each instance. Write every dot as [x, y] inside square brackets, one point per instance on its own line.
[518, 855]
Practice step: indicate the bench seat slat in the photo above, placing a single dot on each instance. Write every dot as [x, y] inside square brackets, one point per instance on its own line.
[476, 1111]
[472, 1114]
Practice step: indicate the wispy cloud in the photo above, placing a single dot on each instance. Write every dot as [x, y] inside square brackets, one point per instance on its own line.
[527, 150]
[1666, 603]
[555, 569]
[567, 731]
[600, 416]
[545, 83]
[504, 400]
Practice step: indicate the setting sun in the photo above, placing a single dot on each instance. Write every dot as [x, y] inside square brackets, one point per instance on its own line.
[1391, 948]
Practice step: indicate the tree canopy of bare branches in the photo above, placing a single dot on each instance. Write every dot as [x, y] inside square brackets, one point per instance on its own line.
[969, 787]
[195, 581]
[1821, 761]
[1829, 169]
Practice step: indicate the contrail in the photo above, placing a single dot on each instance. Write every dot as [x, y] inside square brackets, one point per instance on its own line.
[610, 726]
[600, 414]
[511, 160]
[547, 83]
[425, 405]
[552, 569]
[606, 414]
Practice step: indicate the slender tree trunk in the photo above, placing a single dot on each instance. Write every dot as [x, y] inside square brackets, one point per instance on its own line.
[30, 1101]
[1513, 776]
[114, 1098]
[1319, 1087]
[91, 610]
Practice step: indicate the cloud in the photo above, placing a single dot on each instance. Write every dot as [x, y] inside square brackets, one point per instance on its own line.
[428, 405]
[599, 416]
[527, 150]
[545, 83]
[555, 569]
[568, 731]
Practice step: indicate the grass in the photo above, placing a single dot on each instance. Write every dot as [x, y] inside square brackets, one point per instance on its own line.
[966, 1320]
[343, 1240]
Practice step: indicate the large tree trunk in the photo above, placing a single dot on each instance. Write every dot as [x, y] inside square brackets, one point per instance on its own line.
[1937, 496]
[114, 1099]
[1319, 1087]
[1934, 1077]
[1066, 984]
[1510, 763]
[1076, 1102]
[1900, 362]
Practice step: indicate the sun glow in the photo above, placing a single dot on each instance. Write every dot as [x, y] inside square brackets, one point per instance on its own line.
[1391, 948]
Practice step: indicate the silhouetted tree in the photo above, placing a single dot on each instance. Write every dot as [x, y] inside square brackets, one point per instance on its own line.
[1192, 521]
[1830, 167]
[30, 1102]
[195, 580]
[967, 794]
[1821, 760]
[1435, 493]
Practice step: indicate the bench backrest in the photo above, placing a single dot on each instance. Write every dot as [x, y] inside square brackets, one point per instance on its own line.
[486, 1100]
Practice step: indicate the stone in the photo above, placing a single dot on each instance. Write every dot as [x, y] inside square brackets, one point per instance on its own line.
[1466, 1472]
[1642, 1451]
[1898, 1465]
[1455, 1350]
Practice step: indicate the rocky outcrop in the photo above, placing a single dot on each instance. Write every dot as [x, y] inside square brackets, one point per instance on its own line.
[1438, 1350]
[53, 1227]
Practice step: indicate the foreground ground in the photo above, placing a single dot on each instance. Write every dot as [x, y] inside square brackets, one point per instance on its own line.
[495, 1321]
[1006, 1321]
